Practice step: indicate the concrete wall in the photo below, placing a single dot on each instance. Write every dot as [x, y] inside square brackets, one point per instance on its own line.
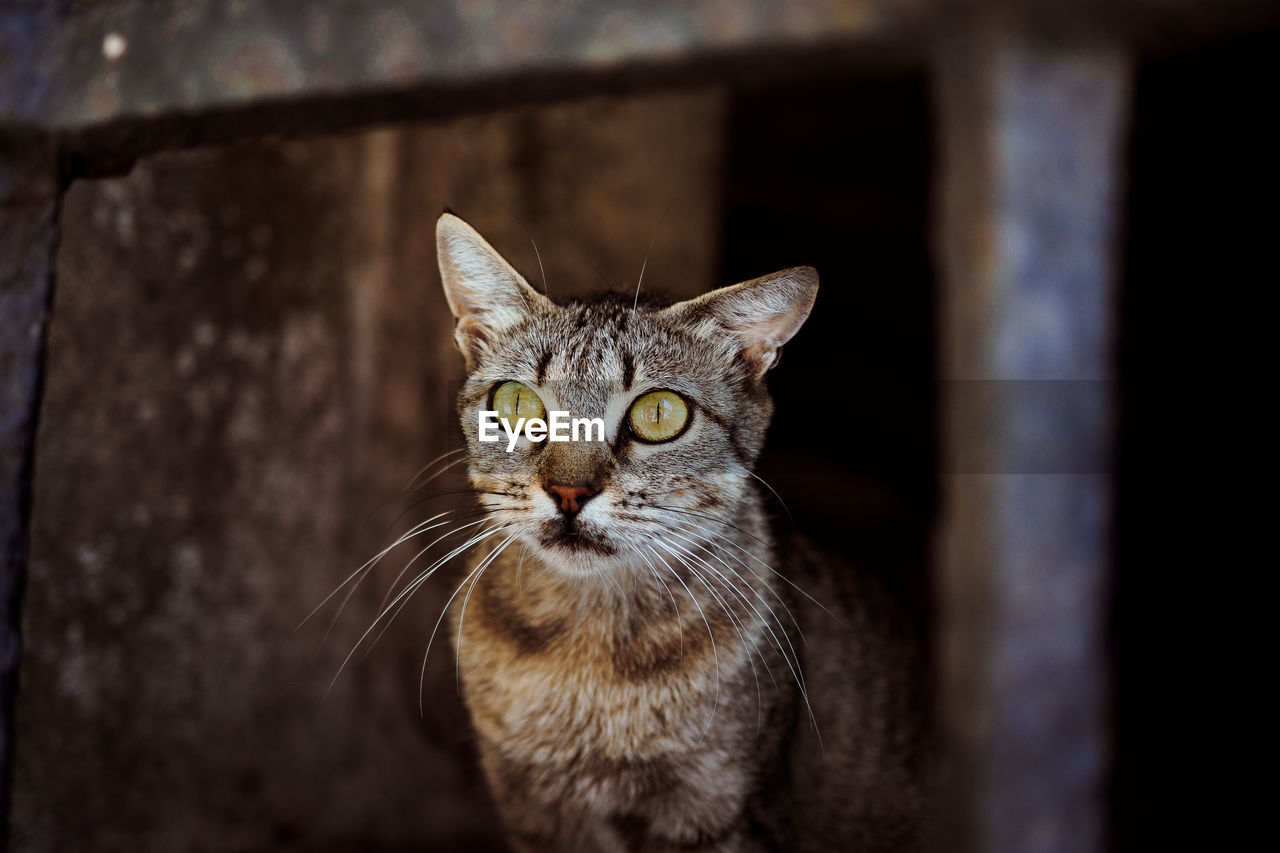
[250, 358]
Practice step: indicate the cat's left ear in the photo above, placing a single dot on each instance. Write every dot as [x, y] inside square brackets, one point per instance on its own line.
[762, 313]
[485, 293]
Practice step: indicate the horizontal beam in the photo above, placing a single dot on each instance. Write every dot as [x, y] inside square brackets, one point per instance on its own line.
[114, 79]
[136, 76]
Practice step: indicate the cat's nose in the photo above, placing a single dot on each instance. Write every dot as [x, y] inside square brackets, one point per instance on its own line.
[570, 499]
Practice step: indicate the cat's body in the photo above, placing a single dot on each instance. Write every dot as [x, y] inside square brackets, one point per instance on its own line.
[639, 672]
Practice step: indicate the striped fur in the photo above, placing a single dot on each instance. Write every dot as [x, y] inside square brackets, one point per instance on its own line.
[641, 676]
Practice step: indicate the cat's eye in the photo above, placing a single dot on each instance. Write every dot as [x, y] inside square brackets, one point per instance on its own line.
[512, 401]
[658, 416]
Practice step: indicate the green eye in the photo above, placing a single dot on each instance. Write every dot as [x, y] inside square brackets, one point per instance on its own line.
[658, 416]
[513, 401]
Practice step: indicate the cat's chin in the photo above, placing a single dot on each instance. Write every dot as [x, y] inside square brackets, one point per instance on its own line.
[576, 554]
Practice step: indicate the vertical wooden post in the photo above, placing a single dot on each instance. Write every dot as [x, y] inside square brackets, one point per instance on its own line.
[1032, 134]
[29, 197]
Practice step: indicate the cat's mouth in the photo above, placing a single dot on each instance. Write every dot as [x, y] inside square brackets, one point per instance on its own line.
[571, 538]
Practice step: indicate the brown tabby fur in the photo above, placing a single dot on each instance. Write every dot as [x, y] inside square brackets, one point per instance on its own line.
[640, 677]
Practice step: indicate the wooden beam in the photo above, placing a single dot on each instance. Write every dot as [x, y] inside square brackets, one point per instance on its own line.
[1032, 138]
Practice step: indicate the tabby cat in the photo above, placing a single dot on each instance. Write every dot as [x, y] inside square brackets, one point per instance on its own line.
[646, 668]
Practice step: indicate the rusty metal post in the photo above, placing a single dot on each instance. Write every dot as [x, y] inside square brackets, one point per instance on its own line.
[1032, 134]
[29, 197]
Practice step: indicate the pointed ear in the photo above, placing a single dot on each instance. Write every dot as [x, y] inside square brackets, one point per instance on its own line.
[762, 313]
[484, 292]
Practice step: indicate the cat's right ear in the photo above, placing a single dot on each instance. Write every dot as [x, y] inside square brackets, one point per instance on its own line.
[485, 293]
[762, 313]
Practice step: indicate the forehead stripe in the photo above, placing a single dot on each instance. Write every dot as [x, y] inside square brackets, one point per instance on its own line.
[628, 371]
[542, 366]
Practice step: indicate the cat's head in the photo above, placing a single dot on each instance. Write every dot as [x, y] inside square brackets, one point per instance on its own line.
[679, 388]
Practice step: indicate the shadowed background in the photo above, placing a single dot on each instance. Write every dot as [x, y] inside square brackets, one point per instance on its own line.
[251, 358]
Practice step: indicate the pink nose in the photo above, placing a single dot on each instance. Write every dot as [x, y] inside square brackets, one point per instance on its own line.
[570, 499]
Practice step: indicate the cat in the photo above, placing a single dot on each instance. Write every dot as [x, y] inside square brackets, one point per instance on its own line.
[644, 666]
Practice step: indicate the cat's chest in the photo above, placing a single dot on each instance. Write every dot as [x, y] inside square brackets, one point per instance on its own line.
[556, 707]
[592, 693]
[570, 739]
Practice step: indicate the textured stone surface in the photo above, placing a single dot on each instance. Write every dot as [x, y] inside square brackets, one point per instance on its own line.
[250, 354]
[29, 195]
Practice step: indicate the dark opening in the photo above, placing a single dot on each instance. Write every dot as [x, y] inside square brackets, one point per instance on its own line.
[838, 174]
[1199, 254]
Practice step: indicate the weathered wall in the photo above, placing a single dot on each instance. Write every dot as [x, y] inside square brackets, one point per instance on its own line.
[250, 354]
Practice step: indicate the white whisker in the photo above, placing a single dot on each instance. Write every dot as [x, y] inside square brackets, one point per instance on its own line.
[710, 635]
[775, 494]
[715, 539]
[792, 661]
[462, 617]
[408, 590]
[433, 543]
[413, 483]
[430, 569]
[738, 626]
[647, 252]
[733, 588]
[519, 566]
[543, 272]
[423, 675]
[372, 561]
[730, 541]
[679, 618]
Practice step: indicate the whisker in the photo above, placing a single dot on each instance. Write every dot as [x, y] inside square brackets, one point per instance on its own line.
[409, 488]
[432, 568]
[679, 618]
[408, 590]
[405, 594]
[414, 531]
[793, 662]
[422, 677]
[710, 635]
[798, 669]
[458, 516]
[433, 543]
[785, 508]
[543, 272]
[653, 240]
[714, 518]
[622, 595]
[409, 507]
[462, 617]
[529, 233]
[728, 583]
[413, 483]
[599, 274]
[793, 659]
[715, 540]
[738, 625]
[748, 553]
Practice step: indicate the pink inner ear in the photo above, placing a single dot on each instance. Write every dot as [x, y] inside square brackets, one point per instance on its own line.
[761, 357]
[469, 327]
